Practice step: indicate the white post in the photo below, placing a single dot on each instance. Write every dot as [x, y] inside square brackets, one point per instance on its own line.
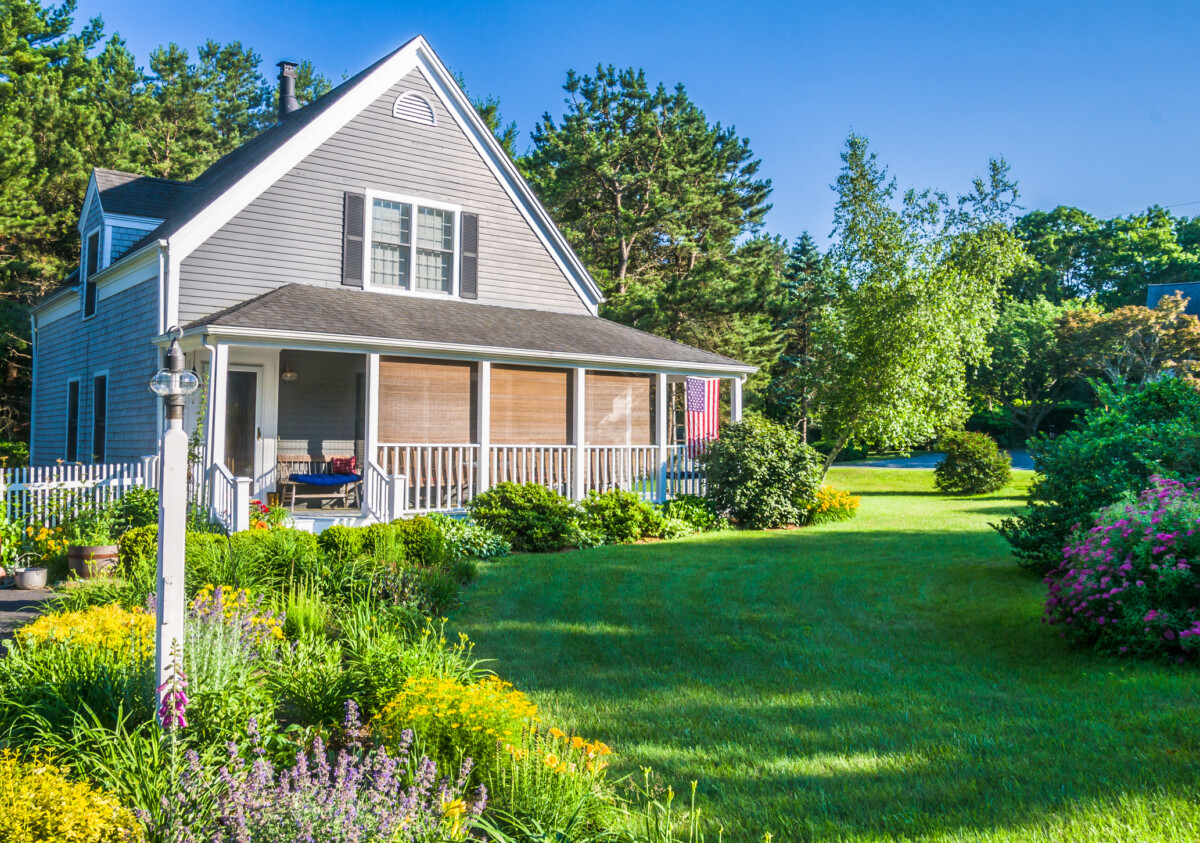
[218, 388]
[371, 428]
[397, 496]
[483, 424]
[578, 420]
[735, 399]
[241, 504]
[660, 433]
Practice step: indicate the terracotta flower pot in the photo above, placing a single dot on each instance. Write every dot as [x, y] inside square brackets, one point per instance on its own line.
[29, 579]
[88, 561]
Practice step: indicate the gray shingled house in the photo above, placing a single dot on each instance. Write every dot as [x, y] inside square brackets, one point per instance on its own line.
[370, 278]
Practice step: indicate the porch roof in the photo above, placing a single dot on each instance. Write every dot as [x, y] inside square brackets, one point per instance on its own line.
[414, 324]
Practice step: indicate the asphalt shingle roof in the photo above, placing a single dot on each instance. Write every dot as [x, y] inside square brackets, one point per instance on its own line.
[140, 196]
[356, 313]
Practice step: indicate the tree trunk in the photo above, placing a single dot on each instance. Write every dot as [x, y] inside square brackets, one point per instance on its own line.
[833, 452]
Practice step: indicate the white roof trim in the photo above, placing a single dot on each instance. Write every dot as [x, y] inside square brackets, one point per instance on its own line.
[417, 54]
[92, 194]
[314, 339]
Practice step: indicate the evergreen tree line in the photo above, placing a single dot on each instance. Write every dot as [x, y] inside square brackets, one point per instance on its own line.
[881, 339]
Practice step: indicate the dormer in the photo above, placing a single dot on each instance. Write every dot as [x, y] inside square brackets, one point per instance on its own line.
[119, 210]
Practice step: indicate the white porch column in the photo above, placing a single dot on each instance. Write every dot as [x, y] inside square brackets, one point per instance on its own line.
[483, 425]
[371, 428]
[735, 399]
[578, 418]
[218, 388]
[660, 433]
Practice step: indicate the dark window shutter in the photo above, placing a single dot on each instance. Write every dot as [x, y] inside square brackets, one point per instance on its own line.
[468, 273]
[352, 241]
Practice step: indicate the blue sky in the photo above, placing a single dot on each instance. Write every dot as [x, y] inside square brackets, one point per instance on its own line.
[1093, 104]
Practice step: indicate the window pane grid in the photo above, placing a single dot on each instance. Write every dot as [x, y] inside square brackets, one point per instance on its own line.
[400, 259]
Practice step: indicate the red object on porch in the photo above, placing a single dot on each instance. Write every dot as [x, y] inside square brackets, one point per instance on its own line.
[703, 404]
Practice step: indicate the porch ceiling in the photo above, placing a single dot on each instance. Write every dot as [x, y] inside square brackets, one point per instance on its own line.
[344, 314]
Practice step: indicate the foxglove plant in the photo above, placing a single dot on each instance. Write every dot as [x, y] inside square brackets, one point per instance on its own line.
[1127, 584]
[172, 713]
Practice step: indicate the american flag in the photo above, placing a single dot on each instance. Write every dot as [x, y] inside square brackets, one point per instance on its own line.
[703, 404]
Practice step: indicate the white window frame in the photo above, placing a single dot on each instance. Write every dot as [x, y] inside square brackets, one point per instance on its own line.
[101, 232]
[67, 428]
[101, 373]
[415, 202]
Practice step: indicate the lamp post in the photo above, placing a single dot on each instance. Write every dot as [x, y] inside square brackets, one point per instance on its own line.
[173, 383]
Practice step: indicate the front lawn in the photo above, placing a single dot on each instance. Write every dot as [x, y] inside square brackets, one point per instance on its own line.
[882, 679]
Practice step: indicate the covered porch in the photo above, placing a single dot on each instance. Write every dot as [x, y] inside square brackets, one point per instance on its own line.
[428, 428]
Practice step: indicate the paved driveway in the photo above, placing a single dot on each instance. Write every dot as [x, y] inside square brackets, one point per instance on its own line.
[18, 608]
[1020, 459]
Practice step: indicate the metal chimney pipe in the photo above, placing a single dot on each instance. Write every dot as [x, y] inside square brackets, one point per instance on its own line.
[287, 89]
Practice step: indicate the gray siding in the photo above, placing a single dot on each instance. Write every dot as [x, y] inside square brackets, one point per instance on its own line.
[116, 339]
[95, 217]
[320, 413]
[293, 231]
[122, 239]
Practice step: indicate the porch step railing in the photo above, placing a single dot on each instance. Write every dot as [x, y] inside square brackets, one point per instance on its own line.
[438, 477]
[230, 499]
[552, 466]
[385, 496]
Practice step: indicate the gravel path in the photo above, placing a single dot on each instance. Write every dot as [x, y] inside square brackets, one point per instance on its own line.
[1020, 459]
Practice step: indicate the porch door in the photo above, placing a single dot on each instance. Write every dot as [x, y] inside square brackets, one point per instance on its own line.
[243, 422]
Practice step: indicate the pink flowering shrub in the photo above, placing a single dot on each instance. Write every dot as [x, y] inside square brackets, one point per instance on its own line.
[1128, 584]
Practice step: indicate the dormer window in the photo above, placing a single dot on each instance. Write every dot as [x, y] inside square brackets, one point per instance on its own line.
[413, 245]
[91, 265]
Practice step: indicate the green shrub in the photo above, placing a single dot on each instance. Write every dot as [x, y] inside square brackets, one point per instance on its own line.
[424, 542]
[761, 474]
[466, 539]
[206, 560]
[1154, 429]
[342, 544]
[530, 517]
[137, 508]
[621, 517]
[973, 464]
[696, 512]
[384, 543]
[138, 552]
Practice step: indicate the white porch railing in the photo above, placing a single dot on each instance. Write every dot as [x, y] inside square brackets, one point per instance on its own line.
[633, 468]
[51, 491]
[552, 466]
[377, 491]
[230, 499]
[438, 477]
[685, 476]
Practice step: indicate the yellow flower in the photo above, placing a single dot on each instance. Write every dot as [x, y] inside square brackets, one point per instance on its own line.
[551, 760]
[557, 733]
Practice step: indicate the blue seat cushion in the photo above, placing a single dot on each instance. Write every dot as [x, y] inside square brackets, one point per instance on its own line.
[324, 479]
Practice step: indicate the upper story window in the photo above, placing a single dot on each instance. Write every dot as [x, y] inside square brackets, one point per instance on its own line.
[91, 265]
[413, 245]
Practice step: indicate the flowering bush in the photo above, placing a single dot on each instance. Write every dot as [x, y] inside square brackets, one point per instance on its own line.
[453, 718]
[236, 606]
[44, 542]
[1127, 584]
[111, 628]
[833, 505]
[41, 804]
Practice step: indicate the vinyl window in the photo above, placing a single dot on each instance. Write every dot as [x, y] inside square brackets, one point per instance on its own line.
[72, 421]
[413, 246]
[91, 266]
[99, 418]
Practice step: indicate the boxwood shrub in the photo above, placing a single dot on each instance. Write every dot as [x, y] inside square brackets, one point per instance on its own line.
[530, 517]
[620, 517]
[973, 464]
[762, 474]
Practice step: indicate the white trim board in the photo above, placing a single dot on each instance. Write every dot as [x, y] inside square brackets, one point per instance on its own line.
[330, 342]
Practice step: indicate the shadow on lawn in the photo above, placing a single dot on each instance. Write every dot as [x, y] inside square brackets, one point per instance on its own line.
[909, 691]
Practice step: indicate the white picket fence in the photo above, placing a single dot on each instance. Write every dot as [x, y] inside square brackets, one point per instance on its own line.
[50, 492]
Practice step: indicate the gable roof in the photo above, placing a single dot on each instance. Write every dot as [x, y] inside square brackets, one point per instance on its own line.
[414, 324]
[240, 176]
[140, 196]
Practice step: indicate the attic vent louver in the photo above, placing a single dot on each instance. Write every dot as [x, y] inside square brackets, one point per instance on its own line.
[415, 108]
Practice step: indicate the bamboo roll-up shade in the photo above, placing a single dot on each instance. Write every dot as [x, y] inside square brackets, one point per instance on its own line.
[619, 409]
[425, 401]
[530, 406]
